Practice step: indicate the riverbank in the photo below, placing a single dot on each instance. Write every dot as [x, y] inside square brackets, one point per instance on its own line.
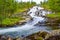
[16, 19]
[54, 35]
[53, 19]
[10, 12]
[42, 35]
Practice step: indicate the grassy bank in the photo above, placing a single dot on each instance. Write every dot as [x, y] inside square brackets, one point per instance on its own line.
[12, 19]
[54, 15]
[53, 19]
[12, 8]
[9, 21]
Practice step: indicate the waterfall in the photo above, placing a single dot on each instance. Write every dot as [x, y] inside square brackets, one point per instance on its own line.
[29, 27]
[32, 13]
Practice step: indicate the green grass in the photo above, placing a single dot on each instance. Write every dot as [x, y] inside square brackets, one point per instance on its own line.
[56, 15]
[6, 17]
[10, 21]
[21, 10]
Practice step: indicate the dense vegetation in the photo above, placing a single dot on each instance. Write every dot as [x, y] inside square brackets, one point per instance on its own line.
[52, 5]
[11, 7]
[54, 17]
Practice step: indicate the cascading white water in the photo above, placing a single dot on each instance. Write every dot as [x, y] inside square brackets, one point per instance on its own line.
[28, 28]
[36, 19]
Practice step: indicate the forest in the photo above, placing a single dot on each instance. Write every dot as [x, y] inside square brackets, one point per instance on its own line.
[52, 5]
[11, 7]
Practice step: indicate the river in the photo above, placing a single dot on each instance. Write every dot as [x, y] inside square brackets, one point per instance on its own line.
[29, 28]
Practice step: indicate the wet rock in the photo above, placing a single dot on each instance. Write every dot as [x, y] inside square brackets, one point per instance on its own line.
[9, 38]
[40, 38]
[53, 21]
[53, 34]
[20, 23]
[3, 38]
[37, 36]
[56, 37]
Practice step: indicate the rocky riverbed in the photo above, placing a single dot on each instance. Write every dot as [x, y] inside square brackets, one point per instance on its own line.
[53, 21]
[42, 35]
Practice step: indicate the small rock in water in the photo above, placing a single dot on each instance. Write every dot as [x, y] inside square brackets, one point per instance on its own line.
[10, 38]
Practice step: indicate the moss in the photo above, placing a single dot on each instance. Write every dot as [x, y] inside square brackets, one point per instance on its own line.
[39, 38]
[54, 15]
[11, 21]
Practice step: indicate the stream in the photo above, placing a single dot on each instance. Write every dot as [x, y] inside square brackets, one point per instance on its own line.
[30, 27]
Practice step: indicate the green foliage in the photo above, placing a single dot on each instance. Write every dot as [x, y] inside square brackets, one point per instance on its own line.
[9, 21]
[45, 5]
[10, 7]
[53, 5]
[54, 15]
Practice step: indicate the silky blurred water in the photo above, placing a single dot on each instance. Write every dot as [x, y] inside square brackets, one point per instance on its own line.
[29, 28]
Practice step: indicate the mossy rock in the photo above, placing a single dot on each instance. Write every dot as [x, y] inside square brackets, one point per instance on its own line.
[54, 35]
[39, 38]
